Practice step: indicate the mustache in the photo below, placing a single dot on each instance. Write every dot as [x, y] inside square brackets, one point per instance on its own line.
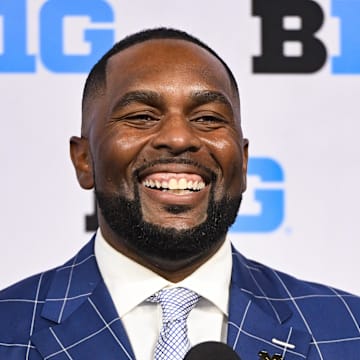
[210, 173]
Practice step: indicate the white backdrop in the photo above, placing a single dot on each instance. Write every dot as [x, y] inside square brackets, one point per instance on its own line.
[306, 123]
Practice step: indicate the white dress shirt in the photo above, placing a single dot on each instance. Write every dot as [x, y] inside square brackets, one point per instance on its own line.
[130, 284]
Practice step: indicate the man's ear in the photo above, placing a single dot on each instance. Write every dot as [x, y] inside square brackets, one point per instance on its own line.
[245, 163]
[81, 158]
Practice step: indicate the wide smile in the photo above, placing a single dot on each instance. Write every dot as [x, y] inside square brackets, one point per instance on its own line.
[175, 183]
[179, 184]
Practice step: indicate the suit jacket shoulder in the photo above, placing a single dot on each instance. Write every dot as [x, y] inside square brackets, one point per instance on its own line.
[20, 305]
[292, 317]
[65, 313]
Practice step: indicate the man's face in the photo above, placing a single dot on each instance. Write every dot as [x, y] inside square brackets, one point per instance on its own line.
[167, 134]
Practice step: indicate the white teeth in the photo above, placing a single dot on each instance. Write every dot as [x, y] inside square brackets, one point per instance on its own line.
[174, 184]
[182, 184]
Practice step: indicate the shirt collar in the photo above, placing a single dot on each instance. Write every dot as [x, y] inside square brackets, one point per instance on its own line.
[125, 276]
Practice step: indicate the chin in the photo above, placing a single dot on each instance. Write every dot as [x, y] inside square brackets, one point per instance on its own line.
[170, 241]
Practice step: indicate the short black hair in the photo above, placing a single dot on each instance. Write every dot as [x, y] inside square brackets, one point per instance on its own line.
[96, 80]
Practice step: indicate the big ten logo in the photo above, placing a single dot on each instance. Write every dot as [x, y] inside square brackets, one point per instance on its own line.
[289, 38]
[264, 201]
[67, 36]
[263, 208]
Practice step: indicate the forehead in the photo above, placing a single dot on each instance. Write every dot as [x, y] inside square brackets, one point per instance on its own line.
[170, 61]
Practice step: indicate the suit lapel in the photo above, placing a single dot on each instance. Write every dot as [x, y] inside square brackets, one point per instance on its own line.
[260, 325]
[86, 324]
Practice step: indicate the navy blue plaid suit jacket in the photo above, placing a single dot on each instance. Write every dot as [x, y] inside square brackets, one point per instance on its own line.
[67, 313]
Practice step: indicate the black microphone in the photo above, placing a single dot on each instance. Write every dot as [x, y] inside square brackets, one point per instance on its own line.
[211, 350]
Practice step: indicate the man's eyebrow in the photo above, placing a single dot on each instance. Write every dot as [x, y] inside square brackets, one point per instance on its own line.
[138, 96]
[153, 98]
[208, 96]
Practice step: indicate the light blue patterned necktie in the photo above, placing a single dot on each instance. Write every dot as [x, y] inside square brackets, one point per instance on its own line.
[176, 304]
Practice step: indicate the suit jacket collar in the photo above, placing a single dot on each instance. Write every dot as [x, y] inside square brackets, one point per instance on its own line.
[87, 325]
[71, 285]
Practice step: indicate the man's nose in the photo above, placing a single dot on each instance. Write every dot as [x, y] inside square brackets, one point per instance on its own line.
[177, 135]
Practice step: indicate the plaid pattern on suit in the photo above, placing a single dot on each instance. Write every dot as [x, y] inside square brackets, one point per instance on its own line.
[67, 313]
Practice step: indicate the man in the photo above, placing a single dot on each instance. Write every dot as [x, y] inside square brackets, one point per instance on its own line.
[162, 145]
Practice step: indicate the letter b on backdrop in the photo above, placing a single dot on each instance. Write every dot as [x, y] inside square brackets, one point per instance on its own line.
[276, 35]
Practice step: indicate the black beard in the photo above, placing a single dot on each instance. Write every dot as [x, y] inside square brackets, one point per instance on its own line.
[153, 241]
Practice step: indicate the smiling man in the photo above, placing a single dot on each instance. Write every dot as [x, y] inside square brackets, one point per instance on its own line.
[161, 144]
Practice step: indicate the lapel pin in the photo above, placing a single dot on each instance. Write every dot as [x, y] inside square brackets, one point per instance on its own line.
[263, 355]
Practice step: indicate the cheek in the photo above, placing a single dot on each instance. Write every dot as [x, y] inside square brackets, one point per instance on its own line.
[229, 156]
[114, 160]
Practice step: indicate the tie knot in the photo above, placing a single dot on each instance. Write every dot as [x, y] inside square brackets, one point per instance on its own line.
[176, 303]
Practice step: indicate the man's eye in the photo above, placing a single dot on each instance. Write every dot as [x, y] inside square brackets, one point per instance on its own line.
[137, 120]
[140, 117]
[209, 120]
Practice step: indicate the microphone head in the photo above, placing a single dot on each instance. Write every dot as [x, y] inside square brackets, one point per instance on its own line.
[211, 350]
